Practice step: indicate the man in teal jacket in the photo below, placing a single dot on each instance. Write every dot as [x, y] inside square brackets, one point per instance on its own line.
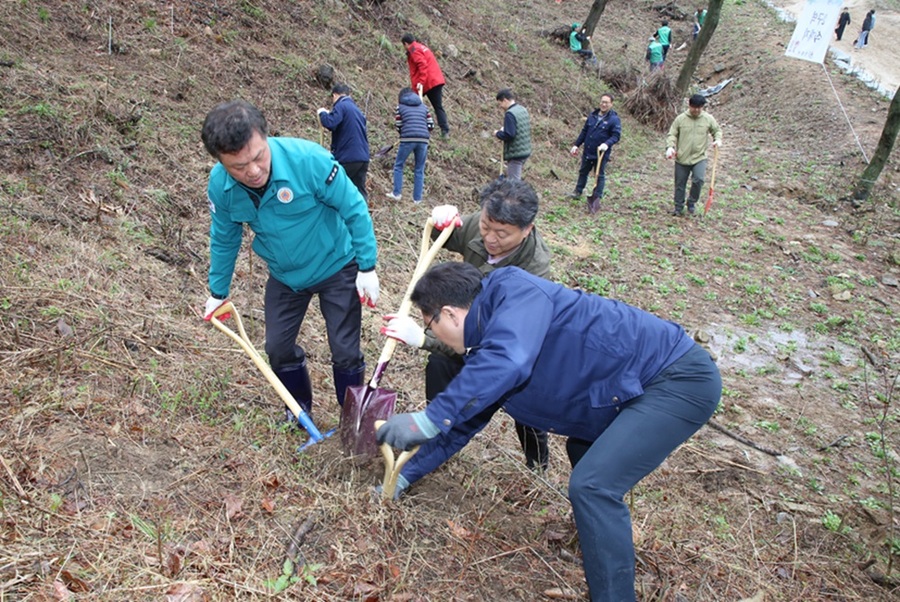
[312, 228]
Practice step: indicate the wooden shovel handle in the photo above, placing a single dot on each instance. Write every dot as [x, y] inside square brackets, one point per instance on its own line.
[392, 468]
[426, 256]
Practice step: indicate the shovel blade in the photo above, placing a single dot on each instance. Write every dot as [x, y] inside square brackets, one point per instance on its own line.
[362, 407]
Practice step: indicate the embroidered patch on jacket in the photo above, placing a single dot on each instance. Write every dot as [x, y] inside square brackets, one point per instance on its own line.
[212, 206]
[285, 195]
[332, 175]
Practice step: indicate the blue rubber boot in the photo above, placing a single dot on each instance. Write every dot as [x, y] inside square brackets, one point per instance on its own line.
[347, 378]
[297, 382]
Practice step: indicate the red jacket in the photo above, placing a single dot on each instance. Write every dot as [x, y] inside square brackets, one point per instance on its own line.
[423, 67]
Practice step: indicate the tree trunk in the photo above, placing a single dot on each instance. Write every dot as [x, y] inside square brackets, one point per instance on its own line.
[697, 48]
[593, 17]
[885, 144]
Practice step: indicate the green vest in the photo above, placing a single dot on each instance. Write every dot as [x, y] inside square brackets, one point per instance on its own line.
[520, 146]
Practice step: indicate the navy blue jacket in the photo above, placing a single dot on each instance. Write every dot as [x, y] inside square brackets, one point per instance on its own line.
[599, 129]
[554, 358]
[412, 119]
[349, 140]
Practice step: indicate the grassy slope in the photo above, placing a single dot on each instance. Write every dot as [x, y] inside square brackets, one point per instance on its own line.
[143, 430]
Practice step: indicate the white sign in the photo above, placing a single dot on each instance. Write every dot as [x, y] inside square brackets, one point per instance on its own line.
[814, 30]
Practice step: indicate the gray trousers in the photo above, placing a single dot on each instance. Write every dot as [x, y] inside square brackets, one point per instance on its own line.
[697, 172]
[514, 168]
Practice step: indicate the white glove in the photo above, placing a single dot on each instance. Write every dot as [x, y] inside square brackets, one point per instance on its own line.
[717, 143]
[404, 329]
[670, 153]
[444, 215]
[212, 304]
[367, 287]
[573, 150]
[603, 147]
[321, 110]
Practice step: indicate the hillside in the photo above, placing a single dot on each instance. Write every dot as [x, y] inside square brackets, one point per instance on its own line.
[143, 455]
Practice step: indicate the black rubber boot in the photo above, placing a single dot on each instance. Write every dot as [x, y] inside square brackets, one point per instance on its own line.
[347, 378]
[297, 383]
[534, 444]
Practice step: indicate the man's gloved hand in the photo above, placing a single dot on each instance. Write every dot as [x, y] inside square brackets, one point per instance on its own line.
[670, 153]
[212, 304]
[444, 215]
[321, 110]
[404, 329]
[717, 143]
[405, 431]
[367, 287]
[573, 151]
[402, 486]
[603, 147]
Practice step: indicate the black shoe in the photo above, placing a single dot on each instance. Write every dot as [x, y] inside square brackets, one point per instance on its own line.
[573, 195]
[677, 213]
[691, 209]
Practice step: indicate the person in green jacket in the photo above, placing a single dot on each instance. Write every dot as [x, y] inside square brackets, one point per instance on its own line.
[501, 234]
[577, 41]
[515, 133]
[664, 35]
[687, 143]
[654, 52]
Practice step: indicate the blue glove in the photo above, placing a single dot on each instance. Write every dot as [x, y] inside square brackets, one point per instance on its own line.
[402, 486]
[405, 431]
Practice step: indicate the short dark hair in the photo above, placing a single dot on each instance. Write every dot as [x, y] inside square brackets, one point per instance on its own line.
[403, 92]
[697, 100]
[511, 202]
[408, 38]
[455, 283]
[609, 96]
[506, 94]
[229, 126]
[665, 23]
[340, 89]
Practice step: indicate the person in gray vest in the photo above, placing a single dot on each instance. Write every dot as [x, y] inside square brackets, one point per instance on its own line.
[515, 134]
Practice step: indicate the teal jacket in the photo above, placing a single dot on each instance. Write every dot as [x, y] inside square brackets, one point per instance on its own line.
[311, 220]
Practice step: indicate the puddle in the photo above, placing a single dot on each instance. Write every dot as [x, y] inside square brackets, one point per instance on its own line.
[787, 357]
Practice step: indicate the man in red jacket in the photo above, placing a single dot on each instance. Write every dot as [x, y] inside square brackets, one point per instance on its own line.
[426, 77]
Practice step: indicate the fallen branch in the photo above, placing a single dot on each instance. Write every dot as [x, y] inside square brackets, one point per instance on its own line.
[744, 440]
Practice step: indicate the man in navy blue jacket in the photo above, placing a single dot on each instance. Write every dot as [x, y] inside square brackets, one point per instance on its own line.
[601, 130]
[631, 385]
[349, 140]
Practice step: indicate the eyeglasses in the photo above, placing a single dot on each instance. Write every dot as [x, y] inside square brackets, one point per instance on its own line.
[428, 323]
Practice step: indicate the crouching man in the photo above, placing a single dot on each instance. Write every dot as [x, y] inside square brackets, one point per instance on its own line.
[625, 384]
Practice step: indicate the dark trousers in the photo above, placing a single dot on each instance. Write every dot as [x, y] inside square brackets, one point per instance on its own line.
[441, 369]
[696, 172]
[587, 166]
[435, 95]
[285, 309]
[673, 407]
[357, 171]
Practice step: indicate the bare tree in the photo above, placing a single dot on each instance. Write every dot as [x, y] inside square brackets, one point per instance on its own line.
[593, 17]
[885, 144]
[697, 48]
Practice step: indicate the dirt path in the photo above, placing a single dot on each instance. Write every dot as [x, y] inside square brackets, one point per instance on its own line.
[879, 58]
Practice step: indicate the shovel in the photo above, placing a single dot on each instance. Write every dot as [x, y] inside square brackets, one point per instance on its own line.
[244, 341]
[593, 200]
[392, 468]
[364, 405]
[712, 181]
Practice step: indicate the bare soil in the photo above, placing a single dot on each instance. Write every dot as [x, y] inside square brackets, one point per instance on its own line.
[143, 455]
